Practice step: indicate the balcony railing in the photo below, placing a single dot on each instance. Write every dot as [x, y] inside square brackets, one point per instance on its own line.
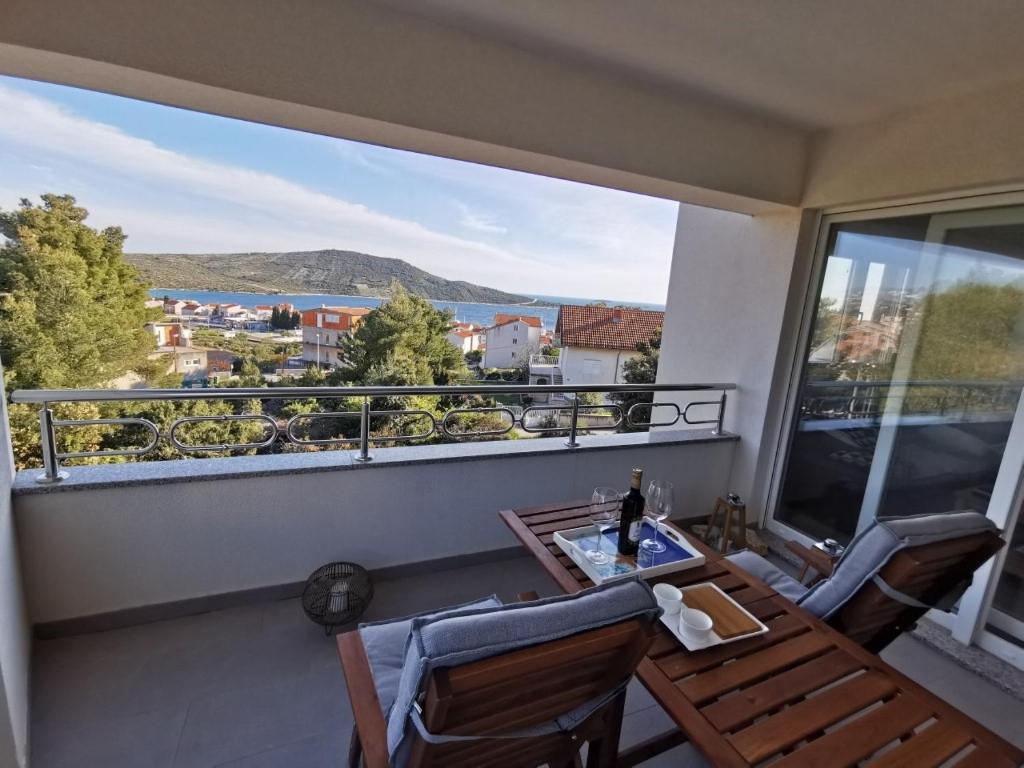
[288, 431]
[544, 359]
[870, 399]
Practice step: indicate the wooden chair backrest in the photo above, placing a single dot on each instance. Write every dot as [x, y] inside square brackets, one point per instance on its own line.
[926, 573]
[527, 687]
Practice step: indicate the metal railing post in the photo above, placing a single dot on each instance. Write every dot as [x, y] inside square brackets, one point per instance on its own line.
[364, 432]
[721, 417]
[52, 473]
[571, 442]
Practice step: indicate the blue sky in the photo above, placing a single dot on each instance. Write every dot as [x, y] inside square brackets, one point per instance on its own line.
[181, 181]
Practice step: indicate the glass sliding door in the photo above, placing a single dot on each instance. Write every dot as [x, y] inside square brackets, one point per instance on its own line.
[912, 372]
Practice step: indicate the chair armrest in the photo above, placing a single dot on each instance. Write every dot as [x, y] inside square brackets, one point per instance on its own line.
[820, 561]
[526, 597]
[373, 730]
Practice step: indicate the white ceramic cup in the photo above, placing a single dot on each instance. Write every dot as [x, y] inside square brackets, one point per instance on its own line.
[695, 624]
[669, 598]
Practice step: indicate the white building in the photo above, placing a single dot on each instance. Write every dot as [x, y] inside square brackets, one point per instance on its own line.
[189, 361]
[324, 331]
[596, 341]
[466, 337]
[170, 334]
[195, 309]
[511, 340]
[232, 311]
[174, 306]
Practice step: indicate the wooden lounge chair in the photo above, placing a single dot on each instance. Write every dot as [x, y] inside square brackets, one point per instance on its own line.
[472, 687]
[890, 575]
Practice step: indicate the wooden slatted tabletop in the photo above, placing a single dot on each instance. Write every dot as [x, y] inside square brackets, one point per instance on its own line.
[800, 695]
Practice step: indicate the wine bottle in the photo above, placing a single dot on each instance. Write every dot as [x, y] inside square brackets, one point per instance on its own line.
[632, 516]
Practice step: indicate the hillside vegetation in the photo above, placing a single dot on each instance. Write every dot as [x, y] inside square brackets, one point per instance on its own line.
[328, 271]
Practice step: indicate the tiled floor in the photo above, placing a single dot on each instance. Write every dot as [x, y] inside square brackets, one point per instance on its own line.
[260, 686]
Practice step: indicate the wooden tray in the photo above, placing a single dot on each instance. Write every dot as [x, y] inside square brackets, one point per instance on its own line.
[713, 638]
[730, 620]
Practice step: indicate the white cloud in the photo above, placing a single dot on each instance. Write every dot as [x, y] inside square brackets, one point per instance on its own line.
[568, 239]
[480, 222]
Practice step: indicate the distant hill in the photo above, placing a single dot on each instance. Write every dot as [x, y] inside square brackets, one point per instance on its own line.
[329, 271]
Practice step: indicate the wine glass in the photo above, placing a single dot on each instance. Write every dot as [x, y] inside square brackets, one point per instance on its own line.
[659, 506]
[604, 514]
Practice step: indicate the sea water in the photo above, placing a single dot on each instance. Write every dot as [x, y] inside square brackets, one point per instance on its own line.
[469, 312]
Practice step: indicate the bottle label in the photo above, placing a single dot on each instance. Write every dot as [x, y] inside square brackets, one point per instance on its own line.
[634, 529]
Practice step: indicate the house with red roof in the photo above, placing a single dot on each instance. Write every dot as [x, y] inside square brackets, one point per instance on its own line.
[466, 337]
[511, 340]
[596, 341]
[325, 331]
[195, 309]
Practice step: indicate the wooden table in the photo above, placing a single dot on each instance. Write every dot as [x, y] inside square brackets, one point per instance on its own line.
[802, 690]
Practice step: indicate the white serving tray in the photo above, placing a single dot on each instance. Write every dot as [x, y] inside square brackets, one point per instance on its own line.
[679, 556]
[691, 644]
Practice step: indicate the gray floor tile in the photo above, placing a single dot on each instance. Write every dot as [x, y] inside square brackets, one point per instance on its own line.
[243, 722]
[683, 756]
[325, 750]
[638, 698]
[140, 741]
[644, 724]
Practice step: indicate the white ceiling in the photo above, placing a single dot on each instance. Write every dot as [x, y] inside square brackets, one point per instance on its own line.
[816, 63]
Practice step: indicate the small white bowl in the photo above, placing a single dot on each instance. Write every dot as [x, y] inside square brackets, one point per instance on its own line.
[669, 598]
[695, 624]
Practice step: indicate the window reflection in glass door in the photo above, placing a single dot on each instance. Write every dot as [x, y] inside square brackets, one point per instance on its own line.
[912, 373]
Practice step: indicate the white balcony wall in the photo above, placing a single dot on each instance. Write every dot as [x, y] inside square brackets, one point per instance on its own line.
[15, 635]
[93, 551]
[734, 279]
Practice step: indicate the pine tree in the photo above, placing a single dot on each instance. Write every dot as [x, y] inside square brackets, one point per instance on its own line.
[642, 369]
[72, 310]
[406, 337]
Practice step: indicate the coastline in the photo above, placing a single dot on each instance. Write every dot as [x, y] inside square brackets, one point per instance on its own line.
[534, 301]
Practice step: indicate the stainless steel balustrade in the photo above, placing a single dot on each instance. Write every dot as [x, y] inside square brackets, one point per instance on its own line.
[867, 399]
[52, 472]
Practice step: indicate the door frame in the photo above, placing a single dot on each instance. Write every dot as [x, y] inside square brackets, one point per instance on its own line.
[968, 624]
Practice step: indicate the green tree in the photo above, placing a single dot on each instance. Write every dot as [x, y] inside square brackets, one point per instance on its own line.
[827, 323]
[404, 341]
[250, 374]
[72, 314]
[72, 310]
[971, 331]
[523, 356]
[163, 413]
[641, 369]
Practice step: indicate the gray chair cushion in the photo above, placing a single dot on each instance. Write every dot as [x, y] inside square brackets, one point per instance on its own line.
[871, 550]
[757, 566]
[385, 642]
[470, 635]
